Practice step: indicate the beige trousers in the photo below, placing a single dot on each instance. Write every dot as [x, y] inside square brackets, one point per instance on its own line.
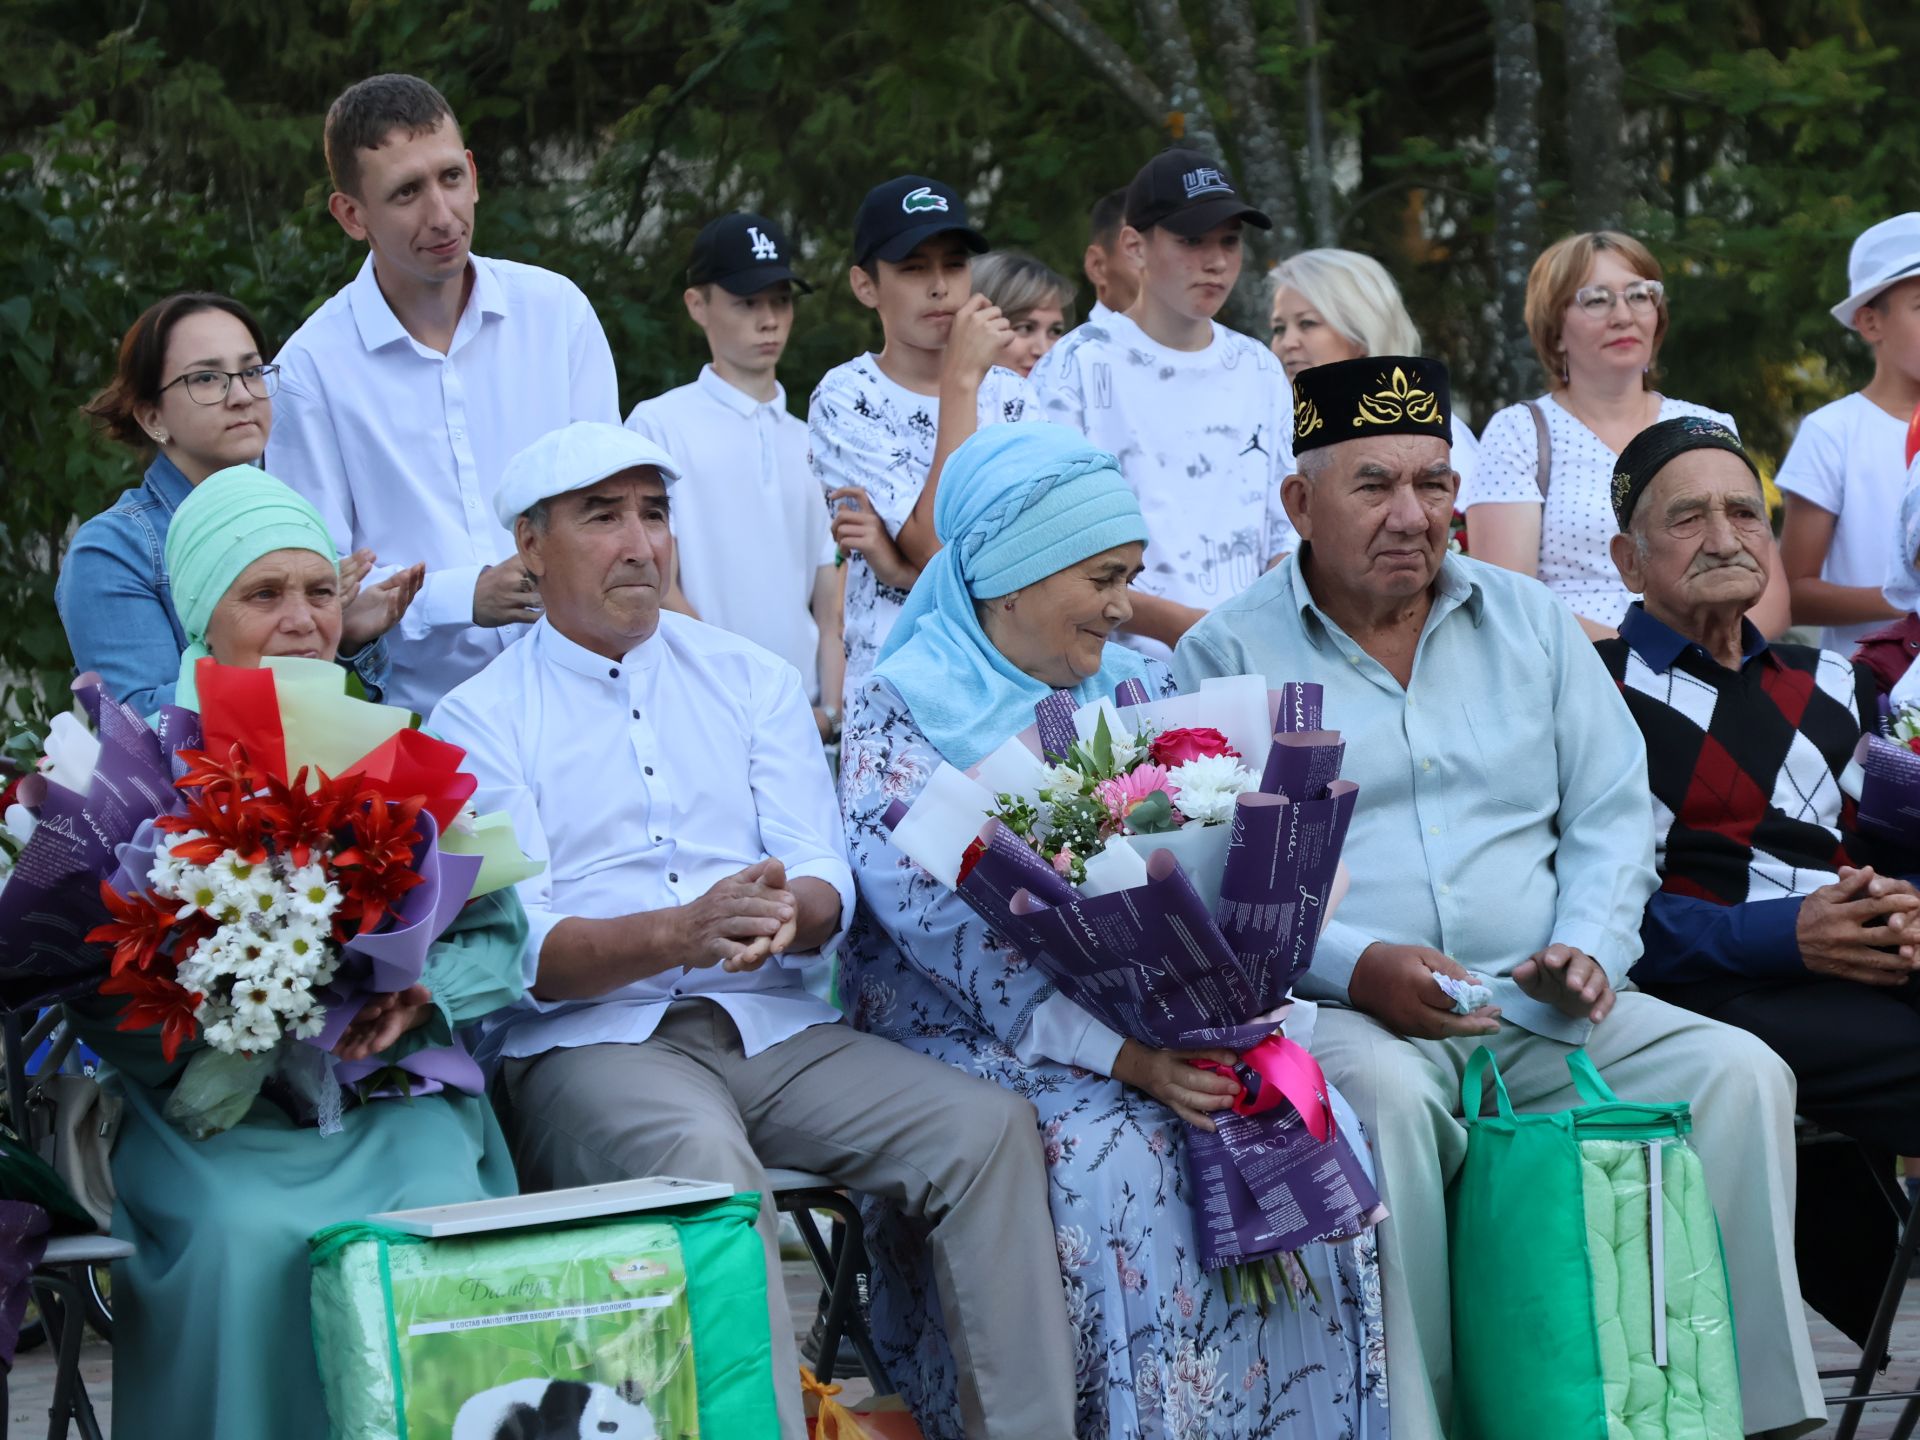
[1407, 1093]
[960, 1152]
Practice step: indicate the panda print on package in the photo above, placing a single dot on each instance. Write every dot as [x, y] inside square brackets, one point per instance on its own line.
[552, 1410]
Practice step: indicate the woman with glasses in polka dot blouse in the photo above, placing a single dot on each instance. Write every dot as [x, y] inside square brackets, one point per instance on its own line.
[1539, 502]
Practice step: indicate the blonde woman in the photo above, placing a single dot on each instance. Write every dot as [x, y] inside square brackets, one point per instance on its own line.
[1333, 305]
[1540, 503]
[1037, 301]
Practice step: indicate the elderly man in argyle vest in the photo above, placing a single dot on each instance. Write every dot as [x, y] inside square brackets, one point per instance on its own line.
[1770, 914]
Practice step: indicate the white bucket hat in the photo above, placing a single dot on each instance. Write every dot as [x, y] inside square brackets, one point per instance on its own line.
[1885, 254]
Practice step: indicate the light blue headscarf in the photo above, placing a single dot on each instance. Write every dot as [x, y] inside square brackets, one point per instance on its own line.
[1016, 504]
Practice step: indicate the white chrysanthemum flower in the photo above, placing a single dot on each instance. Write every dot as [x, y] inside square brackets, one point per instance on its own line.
[310, 895]
[308, 1024]
[169, 874]
[1208, 787]
[307, 944]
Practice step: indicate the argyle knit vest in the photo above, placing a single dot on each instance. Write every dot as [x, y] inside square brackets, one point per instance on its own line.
[1744, 767]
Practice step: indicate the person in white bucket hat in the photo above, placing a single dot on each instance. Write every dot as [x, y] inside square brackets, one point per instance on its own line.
[1846, 472]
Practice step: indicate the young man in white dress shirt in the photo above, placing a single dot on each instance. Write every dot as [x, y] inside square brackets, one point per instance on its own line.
[749, 525]
[668, 773]
[1198, 415]
[404, 395]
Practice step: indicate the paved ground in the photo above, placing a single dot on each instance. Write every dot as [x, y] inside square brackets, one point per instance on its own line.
[32, 1386]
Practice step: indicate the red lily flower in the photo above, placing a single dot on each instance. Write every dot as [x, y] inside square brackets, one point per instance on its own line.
[136, 932]
[377, 869]
[155, 1000]
[300, 821]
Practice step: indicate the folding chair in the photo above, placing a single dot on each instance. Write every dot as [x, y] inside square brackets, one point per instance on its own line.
[59, 1283]
[1873, 1355]
[840, 1265]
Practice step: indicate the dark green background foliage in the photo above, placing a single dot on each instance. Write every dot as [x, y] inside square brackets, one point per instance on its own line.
[154, 145]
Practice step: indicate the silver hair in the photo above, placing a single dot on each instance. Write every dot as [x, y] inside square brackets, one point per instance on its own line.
[537, 515]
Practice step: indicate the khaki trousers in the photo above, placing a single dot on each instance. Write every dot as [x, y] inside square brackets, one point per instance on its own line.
[1407, 1093]
[960, 1152]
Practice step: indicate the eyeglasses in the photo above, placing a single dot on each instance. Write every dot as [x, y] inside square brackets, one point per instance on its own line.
[1641, 296]
[210, 387]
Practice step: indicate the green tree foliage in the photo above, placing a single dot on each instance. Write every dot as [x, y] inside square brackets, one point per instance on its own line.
[150, 145]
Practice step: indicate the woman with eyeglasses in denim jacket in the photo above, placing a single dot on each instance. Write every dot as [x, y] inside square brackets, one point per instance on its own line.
[193, 387]
[1540, 500]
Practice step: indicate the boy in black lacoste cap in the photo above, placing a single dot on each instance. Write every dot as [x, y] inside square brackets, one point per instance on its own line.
[881, 424]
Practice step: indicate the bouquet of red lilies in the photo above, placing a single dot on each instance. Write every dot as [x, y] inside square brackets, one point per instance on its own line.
[251, 901]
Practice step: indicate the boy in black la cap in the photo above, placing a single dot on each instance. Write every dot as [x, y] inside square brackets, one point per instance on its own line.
[882, 424]
[748, 492]
[1199, 415]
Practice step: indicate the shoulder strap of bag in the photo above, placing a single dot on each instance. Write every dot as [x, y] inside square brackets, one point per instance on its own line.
[1473, 1085]
[1586, 1079]
[1543, 467]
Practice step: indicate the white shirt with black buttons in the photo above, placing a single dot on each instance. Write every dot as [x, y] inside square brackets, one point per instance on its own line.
[642, 783]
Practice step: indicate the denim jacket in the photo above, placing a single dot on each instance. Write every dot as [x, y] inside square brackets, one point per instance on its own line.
[117, 606]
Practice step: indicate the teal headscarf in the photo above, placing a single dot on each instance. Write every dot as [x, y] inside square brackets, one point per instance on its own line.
[1016, 504]
[231, 519]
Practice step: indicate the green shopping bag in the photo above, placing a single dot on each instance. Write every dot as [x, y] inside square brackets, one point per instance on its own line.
[632, 1327]
[1589, 1291]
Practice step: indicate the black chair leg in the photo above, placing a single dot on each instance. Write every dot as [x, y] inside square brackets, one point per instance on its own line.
[842, 1261]
[65, 1317]
[1873, 1353]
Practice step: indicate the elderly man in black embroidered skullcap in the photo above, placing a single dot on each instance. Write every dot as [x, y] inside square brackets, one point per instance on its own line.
[1769, 914]
[1502, 830]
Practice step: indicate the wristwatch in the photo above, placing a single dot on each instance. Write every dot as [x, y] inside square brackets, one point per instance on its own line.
[832, 712]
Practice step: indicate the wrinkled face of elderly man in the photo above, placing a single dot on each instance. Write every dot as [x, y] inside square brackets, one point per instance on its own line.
[1696, 546]
[1377, 512]
[601, 556]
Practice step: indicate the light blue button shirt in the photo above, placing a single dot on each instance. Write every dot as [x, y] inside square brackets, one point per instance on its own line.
[1503, 792]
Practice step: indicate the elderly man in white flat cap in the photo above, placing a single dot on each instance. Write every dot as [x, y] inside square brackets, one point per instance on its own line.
[1846, 473]
[670, 775]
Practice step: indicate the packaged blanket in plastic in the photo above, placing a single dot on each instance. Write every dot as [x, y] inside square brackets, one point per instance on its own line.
[1590, 1295]
[635, 1327]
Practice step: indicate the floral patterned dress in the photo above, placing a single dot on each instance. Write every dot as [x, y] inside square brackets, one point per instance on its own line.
[1162, 1354]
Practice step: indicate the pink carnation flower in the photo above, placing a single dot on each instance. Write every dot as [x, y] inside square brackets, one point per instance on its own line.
[1122, 793]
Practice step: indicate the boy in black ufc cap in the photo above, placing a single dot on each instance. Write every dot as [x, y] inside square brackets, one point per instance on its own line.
[748, 491]
[881, 424]
[1200, 416]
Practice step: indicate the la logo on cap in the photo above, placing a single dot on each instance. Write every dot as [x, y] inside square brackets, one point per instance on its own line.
[763, 246]
[923, 199]
[1207, 180]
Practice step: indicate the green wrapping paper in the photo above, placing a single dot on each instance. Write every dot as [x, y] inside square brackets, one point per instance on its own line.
[632, 1328]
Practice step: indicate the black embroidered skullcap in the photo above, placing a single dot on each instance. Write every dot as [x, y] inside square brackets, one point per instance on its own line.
[1655, 447]
[1375, 395]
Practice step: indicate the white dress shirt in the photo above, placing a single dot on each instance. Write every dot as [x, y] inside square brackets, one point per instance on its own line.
[749, 521]
[643, 782]
[400, 447]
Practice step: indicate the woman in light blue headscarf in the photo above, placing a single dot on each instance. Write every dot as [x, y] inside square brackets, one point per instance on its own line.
[1041, 538]
[219, 1226]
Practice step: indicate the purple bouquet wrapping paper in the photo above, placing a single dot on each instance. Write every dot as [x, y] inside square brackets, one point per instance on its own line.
[1158, 965]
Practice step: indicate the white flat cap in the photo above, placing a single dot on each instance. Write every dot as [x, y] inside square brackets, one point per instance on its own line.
[572, 458]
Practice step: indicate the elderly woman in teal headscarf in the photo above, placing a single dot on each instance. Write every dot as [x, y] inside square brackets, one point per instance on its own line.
[211, 1335]
[1041, 540]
